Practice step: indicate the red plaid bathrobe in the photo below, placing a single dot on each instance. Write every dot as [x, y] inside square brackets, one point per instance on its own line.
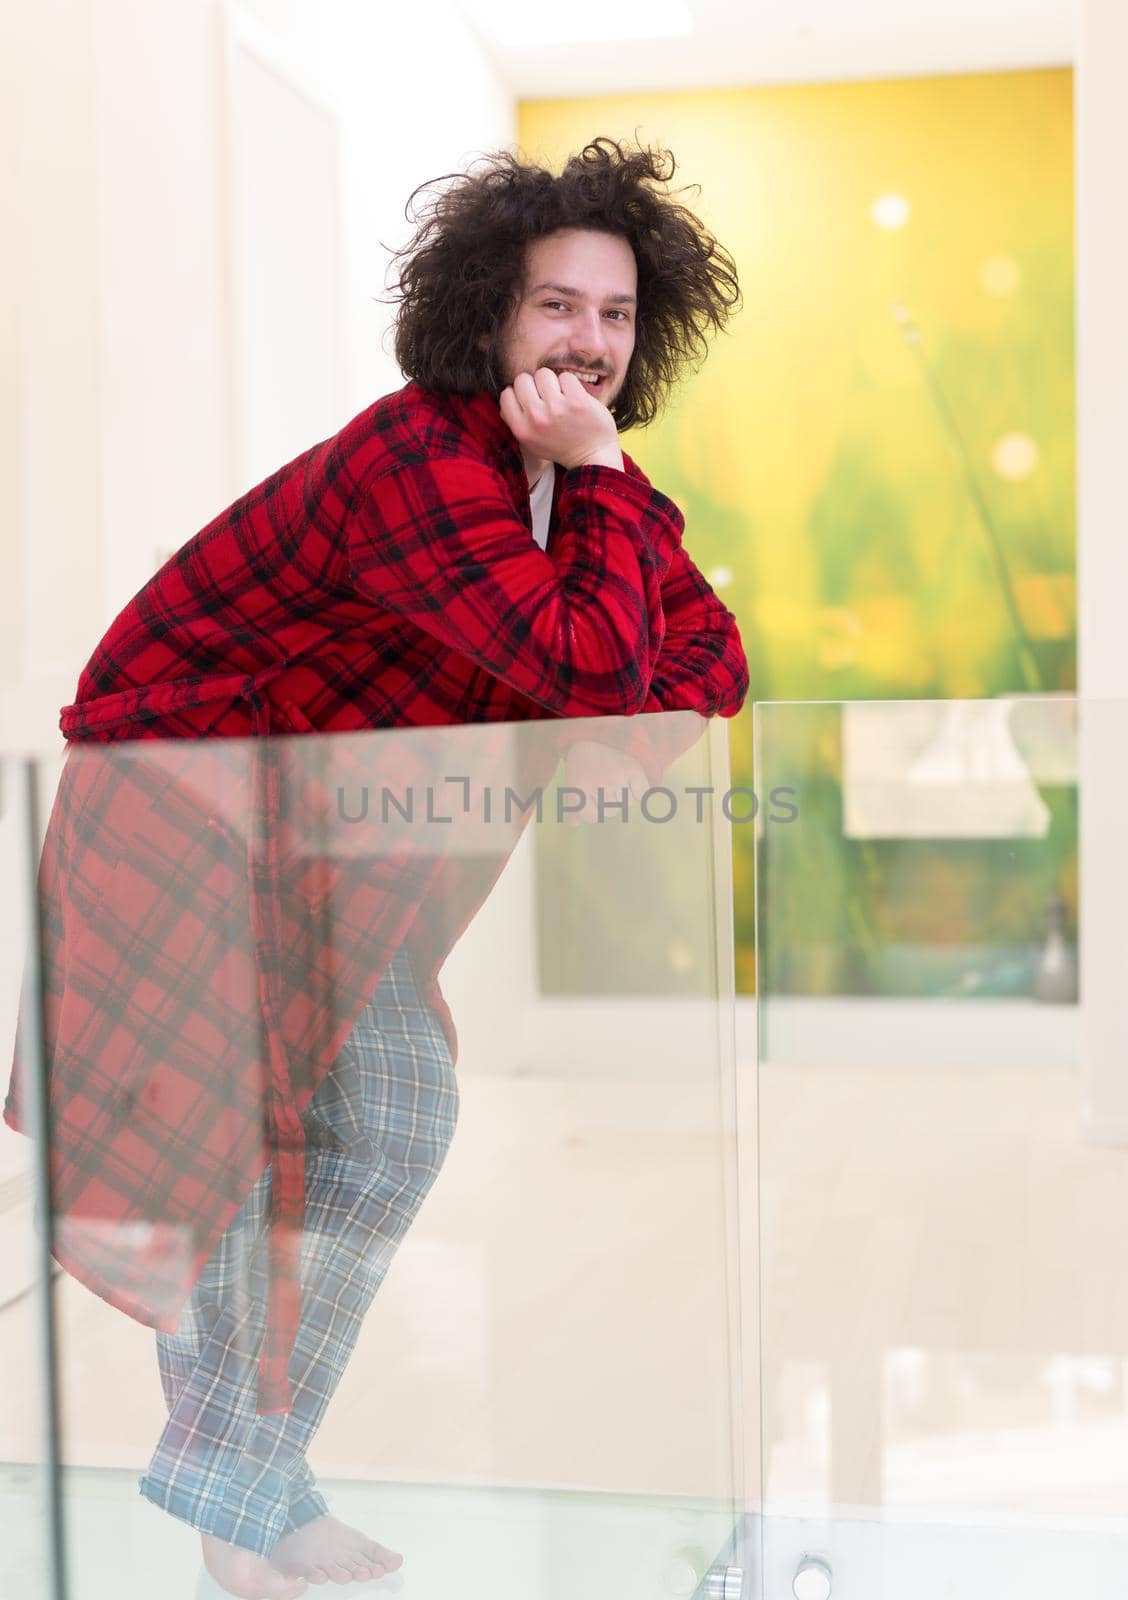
[210, 938]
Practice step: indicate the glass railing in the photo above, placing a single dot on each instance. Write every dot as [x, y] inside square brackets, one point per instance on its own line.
[893, 1205]
[943, 1152]
[486, 1314]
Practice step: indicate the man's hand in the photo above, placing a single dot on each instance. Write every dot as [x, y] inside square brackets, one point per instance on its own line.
[590, 766]
[554, 418]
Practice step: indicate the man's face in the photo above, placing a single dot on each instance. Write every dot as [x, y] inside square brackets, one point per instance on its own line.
[576, 310]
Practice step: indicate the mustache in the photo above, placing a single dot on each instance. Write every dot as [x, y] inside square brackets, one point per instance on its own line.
[584, 366]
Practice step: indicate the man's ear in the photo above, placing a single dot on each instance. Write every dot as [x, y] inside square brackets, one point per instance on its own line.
[484, 342]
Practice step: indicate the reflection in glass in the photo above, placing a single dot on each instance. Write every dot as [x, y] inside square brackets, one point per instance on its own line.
[453, 1261]
[943, 1311]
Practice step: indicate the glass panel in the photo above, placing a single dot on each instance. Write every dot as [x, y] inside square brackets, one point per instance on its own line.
[944, 1325]
[253, 1119]
[30, 1557]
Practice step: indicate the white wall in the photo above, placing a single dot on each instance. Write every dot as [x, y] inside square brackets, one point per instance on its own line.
[116, 408]
[163, 415]
[417, 99]
[52, 560]
[116, 424]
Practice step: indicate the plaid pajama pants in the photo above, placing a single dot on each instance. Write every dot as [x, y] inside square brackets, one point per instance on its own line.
[378, 1129]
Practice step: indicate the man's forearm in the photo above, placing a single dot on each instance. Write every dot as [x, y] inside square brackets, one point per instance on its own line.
[701, 665]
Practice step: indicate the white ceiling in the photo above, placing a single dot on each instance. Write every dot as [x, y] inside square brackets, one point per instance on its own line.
[736, 42]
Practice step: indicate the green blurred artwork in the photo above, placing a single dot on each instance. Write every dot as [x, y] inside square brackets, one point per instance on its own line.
[876, 466]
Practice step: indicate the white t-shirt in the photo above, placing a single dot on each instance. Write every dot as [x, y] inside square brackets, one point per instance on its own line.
[540, 504]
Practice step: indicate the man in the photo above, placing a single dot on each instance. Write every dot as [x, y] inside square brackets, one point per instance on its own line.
[474, 548]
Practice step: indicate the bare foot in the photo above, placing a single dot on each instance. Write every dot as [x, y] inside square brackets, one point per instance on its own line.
[326, 1550]
[242, 1573]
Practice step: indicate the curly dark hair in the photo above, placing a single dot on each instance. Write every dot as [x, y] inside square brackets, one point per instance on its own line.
[461, 273]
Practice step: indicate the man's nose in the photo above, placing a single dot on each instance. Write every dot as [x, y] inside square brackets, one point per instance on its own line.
[591, 335]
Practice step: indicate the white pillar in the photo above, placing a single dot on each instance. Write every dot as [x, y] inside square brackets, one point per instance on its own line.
[1101, 122]
[52, 533]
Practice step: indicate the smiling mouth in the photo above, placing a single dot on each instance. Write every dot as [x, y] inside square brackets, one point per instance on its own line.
[592, 380]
